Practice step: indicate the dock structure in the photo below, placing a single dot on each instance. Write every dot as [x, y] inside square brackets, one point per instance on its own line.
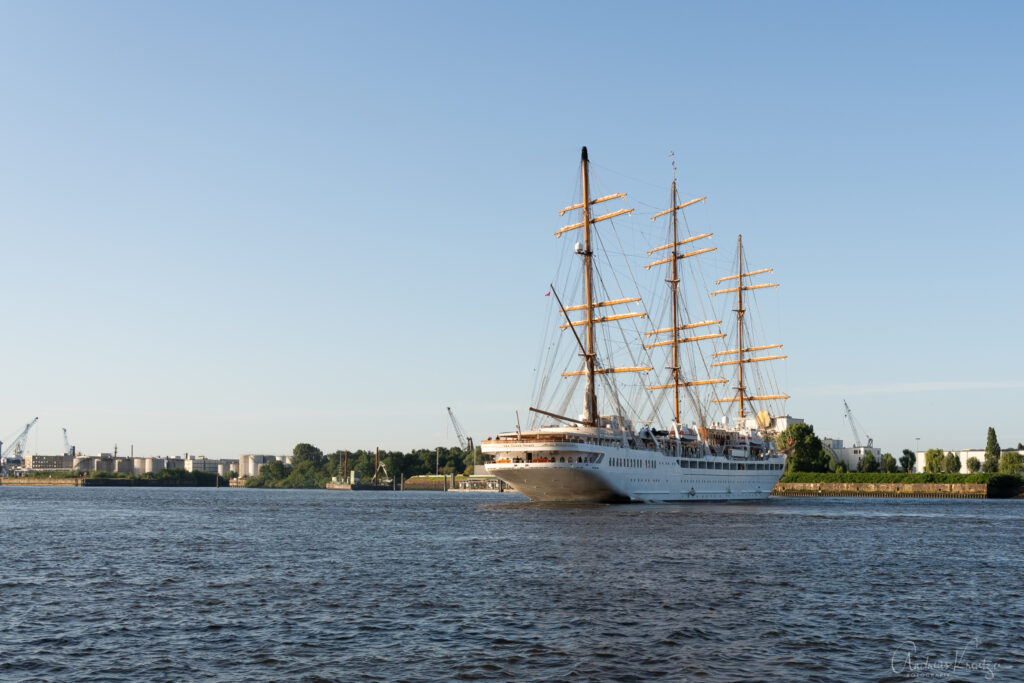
[880, 490]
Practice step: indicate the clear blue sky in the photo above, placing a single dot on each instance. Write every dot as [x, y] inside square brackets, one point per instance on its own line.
[228, 227]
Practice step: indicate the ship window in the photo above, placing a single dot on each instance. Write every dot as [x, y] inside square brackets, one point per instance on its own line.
[561, 459]
[732, 466]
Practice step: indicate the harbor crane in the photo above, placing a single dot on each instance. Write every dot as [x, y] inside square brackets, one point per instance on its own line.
[853, 425]
[17, 447]
[465, 442]
[68, 450]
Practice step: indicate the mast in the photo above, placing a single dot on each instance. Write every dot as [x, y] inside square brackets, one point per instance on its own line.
[744, 354]
[678, 382]
[739, 318]
[587, 344]
[590, 391]
[674, 286]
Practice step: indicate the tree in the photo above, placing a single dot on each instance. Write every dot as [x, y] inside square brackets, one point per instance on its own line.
[841, 467]
[867, 463]
[934, 460]
[888, 464]
[807, 454]
[908, 461]
[305, 452]
[992, 445]
[991, 463]
[973, 464]
[1020, 446]
[951, 463]
[1010, 463]
[270, 473]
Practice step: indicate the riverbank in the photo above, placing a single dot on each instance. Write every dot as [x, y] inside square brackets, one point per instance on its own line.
[172, 478]
[878, 485]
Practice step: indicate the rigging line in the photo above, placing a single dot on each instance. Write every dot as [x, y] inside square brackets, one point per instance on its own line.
[642, 302]
[612, 170]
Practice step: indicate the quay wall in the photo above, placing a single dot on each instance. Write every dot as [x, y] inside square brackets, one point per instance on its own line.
[38, 481]
[880, 490]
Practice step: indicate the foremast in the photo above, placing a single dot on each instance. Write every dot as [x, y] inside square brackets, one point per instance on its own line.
[587, 345]
[743, 354]
[678, 380]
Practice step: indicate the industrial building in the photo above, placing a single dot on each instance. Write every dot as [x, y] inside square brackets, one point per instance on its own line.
[250, 465]
[964, 455]
[849, 455]
[108, 462]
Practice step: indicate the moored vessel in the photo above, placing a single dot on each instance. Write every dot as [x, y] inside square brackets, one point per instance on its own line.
[627, 445]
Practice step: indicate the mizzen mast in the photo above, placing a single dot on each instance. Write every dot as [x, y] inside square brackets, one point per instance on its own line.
[742, 396]
[678, 382]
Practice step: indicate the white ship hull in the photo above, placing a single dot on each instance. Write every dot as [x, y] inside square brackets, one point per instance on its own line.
[565, 471]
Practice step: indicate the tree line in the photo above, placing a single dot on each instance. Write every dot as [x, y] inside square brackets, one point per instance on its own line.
[808, 454]
[311, 468]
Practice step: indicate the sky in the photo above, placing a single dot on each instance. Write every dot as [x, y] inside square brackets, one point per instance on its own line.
[231, 227]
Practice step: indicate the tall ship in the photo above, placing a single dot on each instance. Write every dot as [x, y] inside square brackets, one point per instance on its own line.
[680, 433]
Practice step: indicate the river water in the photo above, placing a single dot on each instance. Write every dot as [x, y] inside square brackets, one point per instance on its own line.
[224, 584]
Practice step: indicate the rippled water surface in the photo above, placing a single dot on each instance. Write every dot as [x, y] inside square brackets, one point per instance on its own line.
[227, 584]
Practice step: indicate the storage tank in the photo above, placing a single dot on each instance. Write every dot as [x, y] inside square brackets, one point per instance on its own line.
[155, 464]
[83, 464]
[139, 465]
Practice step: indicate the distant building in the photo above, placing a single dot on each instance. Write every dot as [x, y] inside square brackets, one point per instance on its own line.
[49, 462]
[779, 424]
[849, 455]
[250, 465]
[964, 455]
[201, 464]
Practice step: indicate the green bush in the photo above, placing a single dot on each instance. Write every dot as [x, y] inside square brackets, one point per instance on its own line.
[56, 474]
[1009, 463]
[867, 463]
[1004, 485]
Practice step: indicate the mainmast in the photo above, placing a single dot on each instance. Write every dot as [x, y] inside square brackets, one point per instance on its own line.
[587, 345]
[590, 391]
[673, 282]
[674, 286]
[742, 353]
